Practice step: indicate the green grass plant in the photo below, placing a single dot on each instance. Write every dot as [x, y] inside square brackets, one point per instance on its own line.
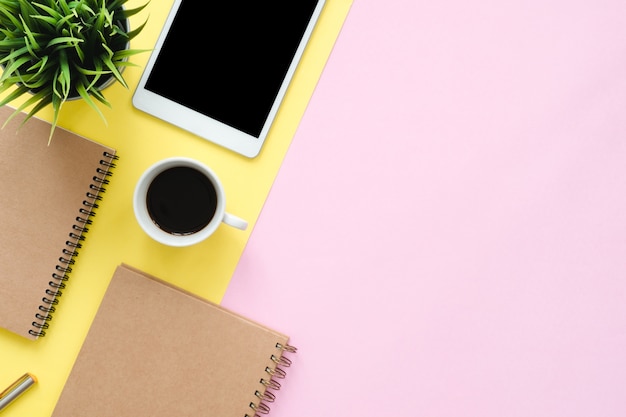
[55, 50]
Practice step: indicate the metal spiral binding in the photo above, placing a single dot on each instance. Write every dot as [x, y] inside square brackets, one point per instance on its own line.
[263, 396]
[64, 268]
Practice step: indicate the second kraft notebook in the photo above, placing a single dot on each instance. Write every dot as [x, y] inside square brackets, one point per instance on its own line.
[156, 350]
[47, 196]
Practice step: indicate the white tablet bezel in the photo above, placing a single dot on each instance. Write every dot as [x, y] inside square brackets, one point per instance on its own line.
[205, 126]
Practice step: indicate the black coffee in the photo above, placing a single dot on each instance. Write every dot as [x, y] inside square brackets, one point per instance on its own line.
[181, 200]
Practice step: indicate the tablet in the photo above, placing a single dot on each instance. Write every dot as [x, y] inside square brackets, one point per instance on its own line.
[220, 69]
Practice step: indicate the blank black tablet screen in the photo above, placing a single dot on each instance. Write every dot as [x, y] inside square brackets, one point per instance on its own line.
[227, 59]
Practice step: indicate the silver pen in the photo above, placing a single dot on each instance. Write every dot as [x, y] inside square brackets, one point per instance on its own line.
[16, 389]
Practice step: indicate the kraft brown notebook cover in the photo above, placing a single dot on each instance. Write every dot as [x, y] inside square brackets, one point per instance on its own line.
[155, 350]
[47, 193]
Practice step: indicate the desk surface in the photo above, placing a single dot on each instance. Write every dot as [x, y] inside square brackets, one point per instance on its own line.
[115, 236]
[446, 235]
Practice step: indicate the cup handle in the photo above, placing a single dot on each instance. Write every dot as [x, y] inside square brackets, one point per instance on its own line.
[235, 221]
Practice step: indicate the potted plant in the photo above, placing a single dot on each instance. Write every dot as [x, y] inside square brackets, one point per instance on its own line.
[59, 50]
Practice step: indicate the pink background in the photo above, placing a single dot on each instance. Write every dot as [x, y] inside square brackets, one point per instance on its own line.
[447, 233]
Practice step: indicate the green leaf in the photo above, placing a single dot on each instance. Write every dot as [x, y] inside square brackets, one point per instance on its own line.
[44, 100]
[133, 33]
[34, 99]
[57, 103]
[126, 13]
[18, 92]
[13, 66]
[85, 96]
[39, 67]
[120, 56]
[64, 22]
[67, 41]
[9, 44]
[118, 76]
[30, 39]
[51, 21]
[65, 77]
[53, 13]
[11, 16]
[89, 72]
[13, 55]
[100, 97]
[64, 7]
[100, 19]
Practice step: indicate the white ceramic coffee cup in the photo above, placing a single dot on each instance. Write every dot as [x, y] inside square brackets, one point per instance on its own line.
[154, 231]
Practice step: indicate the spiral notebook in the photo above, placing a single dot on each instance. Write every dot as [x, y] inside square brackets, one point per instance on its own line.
[156, 350]
[47, 197]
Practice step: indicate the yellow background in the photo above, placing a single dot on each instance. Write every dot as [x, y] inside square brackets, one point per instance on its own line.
[115, 237]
